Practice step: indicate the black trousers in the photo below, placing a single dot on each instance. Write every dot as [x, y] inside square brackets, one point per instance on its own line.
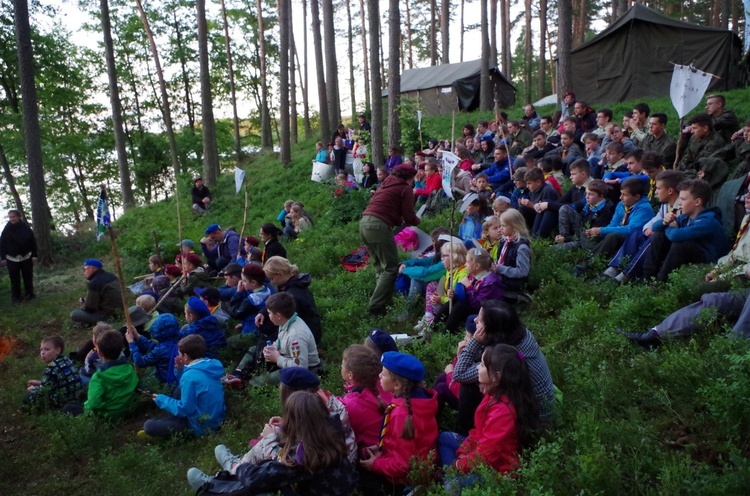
[21, 270]
[665, 256]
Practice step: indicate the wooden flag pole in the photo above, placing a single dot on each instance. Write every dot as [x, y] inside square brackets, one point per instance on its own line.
[118, 264]
[156, 243]
[680, 138]
[244, 221]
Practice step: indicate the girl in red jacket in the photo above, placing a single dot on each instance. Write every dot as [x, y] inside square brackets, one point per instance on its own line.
[505, 420]
[433, 181]
[409, 429]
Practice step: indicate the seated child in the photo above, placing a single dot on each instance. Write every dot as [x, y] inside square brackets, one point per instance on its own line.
[93, 361]
[250, 298]
[471, 225]
[593, 152]
[696, 236]
[574, 197]
[453, 256]
[344, 184]
[433, 181]
[504, 422]
[540, 191]
[576, 219]
[160, 352]
[294, 347]
[652, 167]
[201, 322]
[426, 268]
[212, 298]
[547, 166]
[446, 388]
[492, 235]
[409, 427]
[613, 158]
[321, 154]
[482, 187]
[112, 387]
[369, 176]
[60, 383]
[633, 211]
[634, 168]
[380, 341]
[500, 205]
[520, 192]
[312, 455]
[381, 174]
[514, 260]
[156, 265]
[148, 303]
[281, 218]
[200, 407]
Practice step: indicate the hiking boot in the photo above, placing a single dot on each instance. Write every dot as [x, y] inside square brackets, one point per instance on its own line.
[649, 339]
[611, 272]
[233, 381]
[196, 478]
[225, 457]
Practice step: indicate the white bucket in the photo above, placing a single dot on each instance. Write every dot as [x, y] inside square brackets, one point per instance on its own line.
[321, 172]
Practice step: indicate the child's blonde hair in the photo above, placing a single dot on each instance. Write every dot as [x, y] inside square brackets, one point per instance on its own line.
[481, 257]
[288, 203]
[515, 220]
[457, 252]
[146, 302]
[501, 204]
[280, 266]
[492, 220]
[99, 329]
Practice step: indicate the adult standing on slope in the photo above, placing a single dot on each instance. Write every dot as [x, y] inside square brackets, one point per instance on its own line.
[18, 253]
[391, 205]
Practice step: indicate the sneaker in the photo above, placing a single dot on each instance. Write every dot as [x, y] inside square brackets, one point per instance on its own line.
[232, 381]
[622, 278]
[145, 437]
[196, 478]
[611, 272]
[225, 457]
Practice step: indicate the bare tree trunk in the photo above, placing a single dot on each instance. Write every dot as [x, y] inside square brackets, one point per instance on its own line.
[394, 74]
[564, 35]
[528, 52]
[433, 33]
[8, 175]
[463, 4]
[293, 116]
[210, 148]
[376, 136]
[285, 149]
[32, 139]
[365, 54]
[505, 36]
[445, 24]
[185, 79]
[485, 85]
[332, 68]
[232, 91]
[325, 122]
[409, 35]
[305, 83]
[582, 22]
[493, 31]
[266, 132]
[541, 79]
[128, 201]
[350, 41]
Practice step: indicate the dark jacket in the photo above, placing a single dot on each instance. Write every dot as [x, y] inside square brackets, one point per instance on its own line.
[199, 194]
[104, 293]
[17, 240]
[273, 249]
[298, 287]
[160, 353]
[207, 327]
[393, 203]
[705, 230]
[227, 248]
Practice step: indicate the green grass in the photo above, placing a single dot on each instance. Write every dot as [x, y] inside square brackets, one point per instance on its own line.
[675, 421]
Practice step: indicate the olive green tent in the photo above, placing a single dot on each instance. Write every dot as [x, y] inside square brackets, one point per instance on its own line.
[631, 58]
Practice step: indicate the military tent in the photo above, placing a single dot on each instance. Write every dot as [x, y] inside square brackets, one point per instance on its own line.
[631, 58]
[442, 89]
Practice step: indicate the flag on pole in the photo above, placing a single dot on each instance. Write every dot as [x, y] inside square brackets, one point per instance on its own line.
[747, 26]
[419, 117]
[239, 178]
[450, 162]
[687, 88]
[103, 220]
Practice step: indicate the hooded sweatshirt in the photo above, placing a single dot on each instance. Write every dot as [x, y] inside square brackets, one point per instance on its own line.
[160, 353]
[17, 240]
[393, 203]
[207, 327]
[202, 396]
[705, 230]
[298, 287]
[112, 389]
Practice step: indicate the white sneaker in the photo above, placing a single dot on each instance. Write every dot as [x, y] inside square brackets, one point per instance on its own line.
[225, 457]
[196, 478]
[611, 272]
[425, 322]
[622, 278]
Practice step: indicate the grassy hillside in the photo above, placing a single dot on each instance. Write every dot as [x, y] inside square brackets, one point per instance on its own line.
[674, 421]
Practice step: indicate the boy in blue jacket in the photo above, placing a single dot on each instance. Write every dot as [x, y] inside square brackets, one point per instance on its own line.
[200, 321]
[633, 211]
[200, 407]
[160, 353]
[696, 236]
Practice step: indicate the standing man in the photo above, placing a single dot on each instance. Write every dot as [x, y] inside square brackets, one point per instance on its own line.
[18, 253]
[392, 205]
[103, 297]
[201, 196]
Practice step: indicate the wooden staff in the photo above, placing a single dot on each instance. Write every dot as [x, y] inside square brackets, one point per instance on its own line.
[501, 131]
[156, 243]
[144, 276]
[118, 264]
[450, 256]
[174, 285]
[679, 145]
[453, 134]
[244, 221]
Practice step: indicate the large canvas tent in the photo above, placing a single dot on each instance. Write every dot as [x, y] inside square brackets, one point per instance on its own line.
[445, 88]
[631, 58]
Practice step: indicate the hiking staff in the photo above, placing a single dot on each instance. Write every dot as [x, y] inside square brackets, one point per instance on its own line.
[156, 243]
[679, 146]
[244, 221]
[501, 131]
[450, 255]
[453, 132]
[118, 264]
[169, 291]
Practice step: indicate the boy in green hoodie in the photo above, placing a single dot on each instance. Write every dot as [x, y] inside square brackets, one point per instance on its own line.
[112, 387]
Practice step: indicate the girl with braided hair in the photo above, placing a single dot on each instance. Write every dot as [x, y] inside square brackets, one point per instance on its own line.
[409, 429]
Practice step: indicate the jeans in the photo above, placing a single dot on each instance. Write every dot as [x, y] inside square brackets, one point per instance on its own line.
[166, 427]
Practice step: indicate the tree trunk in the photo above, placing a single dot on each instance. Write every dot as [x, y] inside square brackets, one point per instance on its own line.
[332, 69]
[293, 116]
[493, 31]
[445, 24]
[232, 91]
[365, 54]
[350, 46]
[8, 175]
[541, 78]
[128, 201]
[528, 52]
[210, 148]
[304, 83]
[165, 107]
[409, 35]
[485, 85]
[394, 74]
[266, 133]
[505, 38]
[564, 35]
[376, 136]
[582, 22]
[433, 33]
[463, 4]
[325, 121]
[39, 208]
[189, 111]
[285, 149]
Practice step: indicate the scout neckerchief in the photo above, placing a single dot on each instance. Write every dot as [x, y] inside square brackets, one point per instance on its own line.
[626, 217]
[384, 427]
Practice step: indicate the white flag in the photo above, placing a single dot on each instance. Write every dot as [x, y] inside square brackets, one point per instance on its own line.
[450, 162]
[687, 88]
[419, 116]
[239, 178]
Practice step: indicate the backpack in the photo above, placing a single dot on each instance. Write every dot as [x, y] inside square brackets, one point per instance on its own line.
[356, 260]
